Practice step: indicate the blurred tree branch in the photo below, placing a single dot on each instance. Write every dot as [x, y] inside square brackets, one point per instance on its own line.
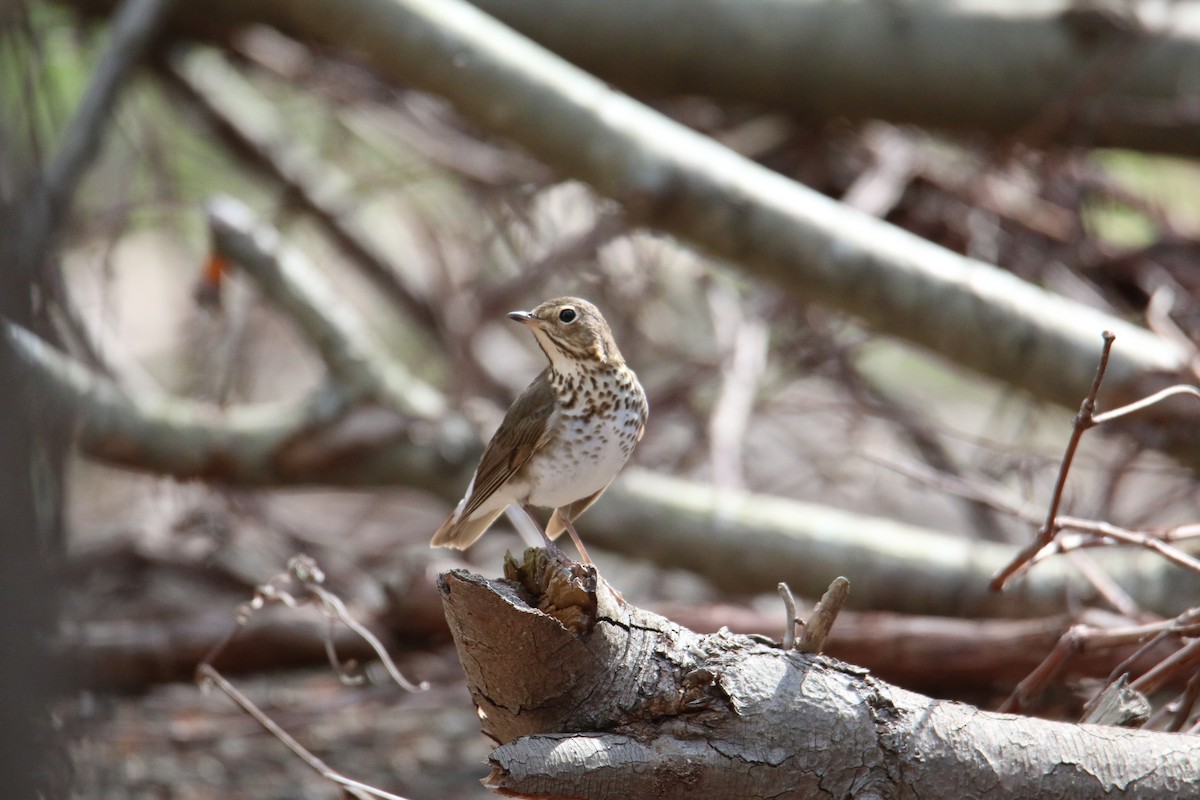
[678, 181]
[958, 65]
[209, 86]
[990, 66]
[355, 361]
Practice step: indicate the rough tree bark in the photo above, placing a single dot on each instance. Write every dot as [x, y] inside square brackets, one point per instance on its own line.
[590, 697]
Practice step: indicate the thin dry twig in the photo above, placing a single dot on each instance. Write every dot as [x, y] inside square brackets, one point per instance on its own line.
[1083, 420]
[300, 585]
[789, 606]
[1099, 534]
[1182, 710]
[206, 674]
[820, 622]
[1146, 402]
[1080, 639]
[1107, 588]
[1183, 660]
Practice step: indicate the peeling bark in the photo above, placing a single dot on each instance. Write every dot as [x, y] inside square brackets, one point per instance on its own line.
[590, 697]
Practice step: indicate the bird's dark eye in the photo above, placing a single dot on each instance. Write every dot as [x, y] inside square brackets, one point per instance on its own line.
[567, 315]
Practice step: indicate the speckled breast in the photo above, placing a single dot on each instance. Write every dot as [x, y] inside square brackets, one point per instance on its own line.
[598, 423]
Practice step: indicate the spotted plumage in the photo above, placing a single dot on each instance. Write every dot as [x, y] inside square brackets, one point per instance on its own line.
[567, 435]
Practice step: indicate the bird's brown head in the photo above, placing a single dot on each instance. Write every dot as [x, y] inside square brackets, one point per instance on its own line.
[570, 331]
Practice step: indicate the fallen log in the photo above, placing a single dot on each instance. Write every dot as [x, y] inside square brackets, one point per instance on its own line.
[590, 697]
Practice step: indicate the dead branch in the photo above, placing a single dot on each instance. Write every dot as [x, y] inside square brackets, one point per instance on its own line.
[583, 693]
[1083, 420]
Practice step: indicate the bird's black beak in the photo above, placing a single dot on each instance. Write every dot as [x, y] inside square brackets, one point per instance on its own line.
[523, 317]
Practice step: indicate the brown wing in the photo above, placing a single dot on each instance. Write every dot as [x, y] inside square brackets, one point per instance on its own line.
[522, 433]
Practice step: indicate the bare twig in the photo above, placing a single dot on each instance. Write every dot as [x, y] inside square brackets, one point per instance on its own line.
[298, 586]
[820, 622]
[1097, 534]
[1033, 684]
[789, 625]
[1079, 639]
[1184, 705]
[207, 674]
[1083, 420]
[1146, 402]
[1105, 586]
[1186, 624]
[1184, 660]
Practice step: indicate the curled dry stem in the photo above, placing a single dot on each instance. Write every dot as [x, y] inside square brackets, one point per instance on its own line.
[300, 585]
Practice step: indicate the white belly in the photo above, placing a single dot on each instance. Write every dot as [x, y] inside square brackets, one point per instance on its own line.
[583, 458]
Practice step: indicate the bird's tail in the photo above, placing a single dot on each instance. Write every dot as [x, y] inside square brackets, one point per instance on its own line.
[462, 533]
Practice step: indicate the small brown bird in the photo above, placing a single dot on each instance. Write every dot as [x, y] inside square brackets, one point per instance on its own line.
[566, 437]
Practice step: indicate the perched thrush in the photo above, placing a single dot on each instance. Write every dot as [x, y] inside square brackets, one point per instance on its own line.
[566, 437]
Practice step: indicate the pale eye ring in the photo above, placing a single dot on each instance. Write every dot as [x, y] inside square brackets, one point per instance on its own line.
[567, 316]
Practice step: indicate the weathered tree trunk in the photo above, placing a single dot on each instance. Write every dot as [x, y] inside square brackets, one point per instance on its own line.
[590, 697]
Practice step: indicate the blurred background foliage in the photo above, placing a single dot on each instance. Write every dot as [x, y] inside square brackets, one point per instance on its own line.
[826, 407]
